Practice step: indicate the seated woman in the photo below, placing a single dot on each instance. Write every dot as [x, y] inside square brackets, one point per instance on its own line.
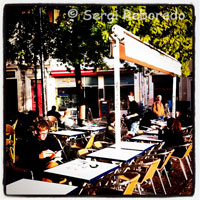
[173, 136]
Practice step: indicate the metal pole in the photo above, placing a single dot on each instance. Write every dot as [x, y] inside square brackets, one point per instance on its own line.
[117, 93]
[174, 97]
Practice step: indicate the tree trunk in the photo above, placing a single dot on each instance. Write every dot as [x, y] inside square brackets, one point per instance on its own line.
[81, 108]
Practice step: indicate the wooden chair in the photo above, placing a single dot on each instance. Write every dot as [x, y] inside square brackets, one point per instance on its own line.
[11, 140]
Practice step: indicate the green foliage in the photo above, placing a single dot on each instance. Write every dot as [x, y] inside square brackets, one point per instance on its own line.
[85, 39]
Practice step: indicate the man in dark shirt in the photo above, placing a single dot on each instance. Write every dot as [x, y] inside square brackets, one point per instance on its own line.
[54, 113]
[43, 150]
[133, 112]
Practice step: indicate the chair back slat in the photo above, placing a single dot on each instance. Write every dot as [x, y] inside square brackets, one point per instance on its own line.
[167, 159]
[15, 124]
[130, 188]
[90, 142]
[189, 148]
[151, 170]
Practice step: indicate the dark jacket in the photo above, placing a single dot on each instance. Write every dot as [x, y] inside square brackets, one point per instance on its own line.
[172, 139]
[34, 147]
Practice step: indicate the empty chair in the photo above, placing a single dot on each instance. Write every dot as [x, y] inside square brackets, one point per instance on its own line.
[101, 144]
[166, 157]
[118, 184]
[147, 169]
[185, 156]
[82, 151]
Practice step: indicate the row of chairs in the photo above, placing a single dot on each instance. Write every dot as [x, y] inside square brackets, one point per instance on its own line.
[130, 177]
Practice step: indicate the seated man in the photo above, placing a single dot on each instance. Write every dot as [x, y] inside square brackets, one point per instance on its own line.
[42, 150]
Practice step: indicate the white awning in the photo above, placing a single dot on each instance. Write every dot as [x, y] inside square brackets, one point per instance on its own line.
[135, 50]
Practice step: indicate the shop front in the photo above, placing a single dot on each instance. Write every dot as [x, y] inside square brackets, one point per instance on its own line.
[98, 86]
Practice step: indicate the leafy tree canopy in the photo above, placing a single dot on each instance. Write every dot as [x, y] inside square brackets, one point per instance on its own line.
[84, 38]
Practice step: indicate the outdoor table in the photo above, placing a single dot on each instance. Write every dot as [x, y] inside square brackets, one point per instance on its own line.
[91, 128]
[185, 128]
[152, 132]
[36, 187]
[147, 138]
[159, 122]
[84, 170]
[68, 133]
[115, 154]
[134, 146]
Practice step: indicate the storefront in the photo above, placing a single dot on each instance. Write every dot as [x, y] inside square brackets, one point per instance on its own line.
[97, 86]
[67, 97]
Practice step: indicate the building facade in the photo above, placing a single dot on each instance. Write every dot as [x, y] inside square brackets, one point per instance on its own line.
[60, 88]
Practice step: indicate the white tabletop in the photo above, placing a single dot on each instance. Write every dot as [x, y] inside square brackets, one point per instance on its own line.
[115, 154]
[185, 128]
[91, 128]
[152, 132]
[69, 133]
[159, 122]
[85, 170]
[134, 146]
[149, 138]
[35, 187]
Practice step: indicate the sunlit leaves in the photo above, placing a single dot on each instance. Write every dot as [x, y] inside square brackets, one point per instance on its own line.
[85, 38]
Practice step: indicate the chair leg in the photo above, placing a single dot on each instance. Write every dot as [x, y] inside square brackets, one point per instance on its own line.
[189, 158]
[189, 164]
[138, 186]
[167, 177]
[183, 169]
[161, 182]
[153, 186]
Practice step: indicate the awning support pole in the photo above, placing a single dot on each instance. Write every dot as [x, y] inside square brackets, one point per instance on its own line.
[117, 93]
[174, 97]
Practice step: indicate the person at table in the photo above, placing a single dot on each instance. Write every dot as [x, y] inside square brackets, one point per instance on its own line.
[42, 151]
[158, 108]
[54, 113]
[173, 136]
[132, 104]
[167, 110]
[145, 123]
[67, 121]
[133, 112]
[185, 118]
[110, 129]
